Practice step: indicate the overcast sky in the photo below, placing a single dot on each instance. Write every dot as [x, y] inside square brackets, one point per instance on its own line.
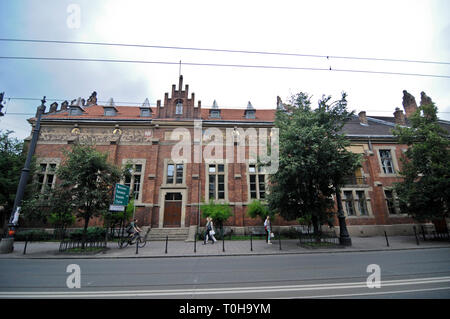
[409, 30]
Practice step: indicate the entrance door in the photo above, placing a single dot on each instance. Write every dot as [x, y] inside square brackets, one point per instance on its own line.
[172, 210]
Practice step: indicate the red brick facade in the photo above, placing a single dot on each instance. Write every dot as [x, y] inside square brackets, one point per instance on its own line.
[145, 140]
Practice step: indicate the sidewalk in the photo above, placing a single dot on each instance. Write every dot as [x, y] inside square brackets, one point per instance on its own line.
[232, 248]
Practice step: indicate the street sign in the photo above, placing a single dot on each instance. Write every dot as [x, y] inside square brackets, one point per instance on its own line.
[121, 195]
[116, 208]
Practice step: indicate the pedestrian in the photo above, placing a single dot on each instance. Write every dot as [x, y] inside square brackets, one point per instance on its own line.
[268, 229]
[209, 231]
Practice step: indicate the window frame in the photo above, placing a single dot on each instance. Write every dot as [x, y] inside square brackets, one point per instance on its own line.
[216, 175]
[257, 173]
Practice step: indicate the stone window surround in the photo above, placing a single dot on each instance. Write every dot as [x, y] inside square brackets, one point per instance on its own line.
[48, 161]
[174, 184]
[141, 161]
[355, 202]
[394, 160]
[396, 204]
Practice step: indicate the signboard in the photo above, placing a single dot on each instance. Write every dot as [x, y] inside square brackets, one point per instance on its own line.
[116, 208]
[121, 195]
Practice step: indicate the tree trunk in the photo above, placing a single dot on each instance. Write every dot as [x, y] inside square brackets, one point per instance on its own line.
[86, 223]
[315, 222]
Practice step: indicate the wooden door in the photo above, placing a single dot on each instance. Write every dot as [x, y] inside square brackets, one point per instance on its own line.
[172, 211]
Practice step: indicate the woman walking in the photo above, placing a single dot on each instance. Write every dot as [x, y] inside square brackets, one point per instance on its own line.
[209, 231]
[267, 227]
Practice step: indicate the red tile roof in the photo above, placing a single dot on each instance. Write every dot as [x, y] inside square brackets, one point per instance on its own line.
[133, 112]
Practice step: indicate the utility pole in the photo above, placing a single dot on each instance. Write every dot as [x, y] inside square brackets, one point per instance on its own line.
[14, 219]
[1, 103]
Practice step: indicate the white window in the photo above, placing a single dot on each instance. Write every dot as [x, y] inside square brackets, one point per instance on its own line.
[46, 176]
[179, 108]
[387, 161]
[174, 173]
[257, 182]
[356, 203]
[216, 181]
[134, 181]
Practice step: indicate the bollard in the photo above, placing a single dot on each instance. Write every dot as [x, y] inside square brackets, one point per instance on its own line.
[251, 242]
[167, 240]
[137, 246]
[415, 234]
[223, 243]
[387, 241]
[195, 242]
[279, 239]
[25, 247]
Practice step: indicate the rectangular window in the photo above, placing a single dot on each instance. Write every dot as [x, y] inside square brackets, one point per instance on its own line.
[362, 205]
[179, 179]
[46, 176]
[257, 183]
[386, 161]
[349, 204]
[134, 181]
[216, 181]
[389, 195]
[170, 173]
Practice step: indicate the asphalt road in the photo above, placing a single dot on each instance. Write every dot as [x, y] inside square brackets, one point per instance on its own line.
[423, 273]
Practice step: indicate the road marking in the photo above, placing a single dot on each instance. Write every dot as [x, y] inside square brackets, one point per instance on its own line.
[367, 294]
[218, 290]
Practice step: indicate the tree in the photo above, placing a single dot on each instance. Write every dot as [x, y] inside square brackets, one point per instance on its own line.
[424, 192]
[12, 160]
[218, 212]
[258, 209]
[90, 179]
[313, 160]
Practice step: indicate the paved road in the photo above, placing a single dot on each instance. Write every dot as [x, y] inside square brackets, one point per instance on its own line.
[404, 274]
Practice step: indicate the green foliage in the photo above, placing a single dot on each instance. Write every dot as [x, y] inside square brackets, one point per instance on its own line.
[34, 235]
[258, 209]
[218, 212]
[92, 234]
[12, 161]
[313, 161]
[424, 193]
[89, 177]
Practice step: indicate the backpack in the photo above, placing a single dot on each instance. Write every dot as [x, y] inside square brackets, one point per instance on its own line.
[129, 228]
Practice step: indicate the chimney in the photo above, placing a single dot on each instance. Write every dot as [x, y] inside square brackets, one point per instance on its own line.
[399, 117]
[409, 103]
[363, 118]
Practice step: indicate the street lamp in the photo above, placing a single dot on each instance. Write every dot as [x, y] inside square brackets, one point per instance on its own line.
[14, 219]
[344, 237]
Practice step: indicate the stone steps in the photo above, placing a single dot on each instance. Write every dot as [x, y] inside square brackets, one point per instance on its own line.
[172, 233]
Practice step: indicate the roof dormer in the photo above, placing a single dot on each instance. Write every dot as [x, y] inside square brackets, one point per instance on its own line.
[250, 112]
[110, 109]
[214, 112]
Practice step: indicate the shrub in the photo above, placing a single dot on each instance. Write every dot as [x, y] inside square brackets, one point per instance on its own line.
[92, 234]
[34, 235]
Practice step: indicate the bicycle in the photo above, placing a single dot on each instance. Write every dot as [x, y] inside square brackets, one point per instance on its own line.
[131, 240]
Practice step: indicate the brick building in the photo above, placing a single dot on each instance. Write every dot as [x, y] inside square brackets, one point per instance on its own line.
[168, 191]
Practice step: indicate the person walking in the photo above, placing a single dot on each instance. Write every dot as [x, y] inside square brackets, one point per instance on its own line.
[209, 231]
[268, 229]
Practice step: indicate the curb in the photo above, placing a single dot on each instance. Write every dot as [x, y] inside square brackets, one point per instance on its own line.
[98, 256]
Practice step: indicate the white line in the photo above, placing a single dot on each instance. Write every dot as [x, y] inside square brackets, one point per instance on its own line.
[367, 294]
[218, 290]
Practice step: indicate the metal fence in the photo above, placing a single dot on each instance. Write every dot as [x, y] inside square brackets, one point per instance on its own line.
[67, 244]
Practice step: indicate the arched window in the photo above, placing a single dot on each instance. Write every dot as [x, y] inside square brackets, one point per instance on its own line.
[179, 107]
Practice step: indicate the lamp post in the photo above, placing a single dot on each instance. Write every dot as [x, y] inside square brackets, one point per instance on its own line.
[344, 237]
[14, 219]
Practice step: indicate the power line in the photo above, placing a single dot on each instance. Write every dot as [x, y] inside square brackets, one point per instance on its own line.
[226, 51]
[220, 65]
